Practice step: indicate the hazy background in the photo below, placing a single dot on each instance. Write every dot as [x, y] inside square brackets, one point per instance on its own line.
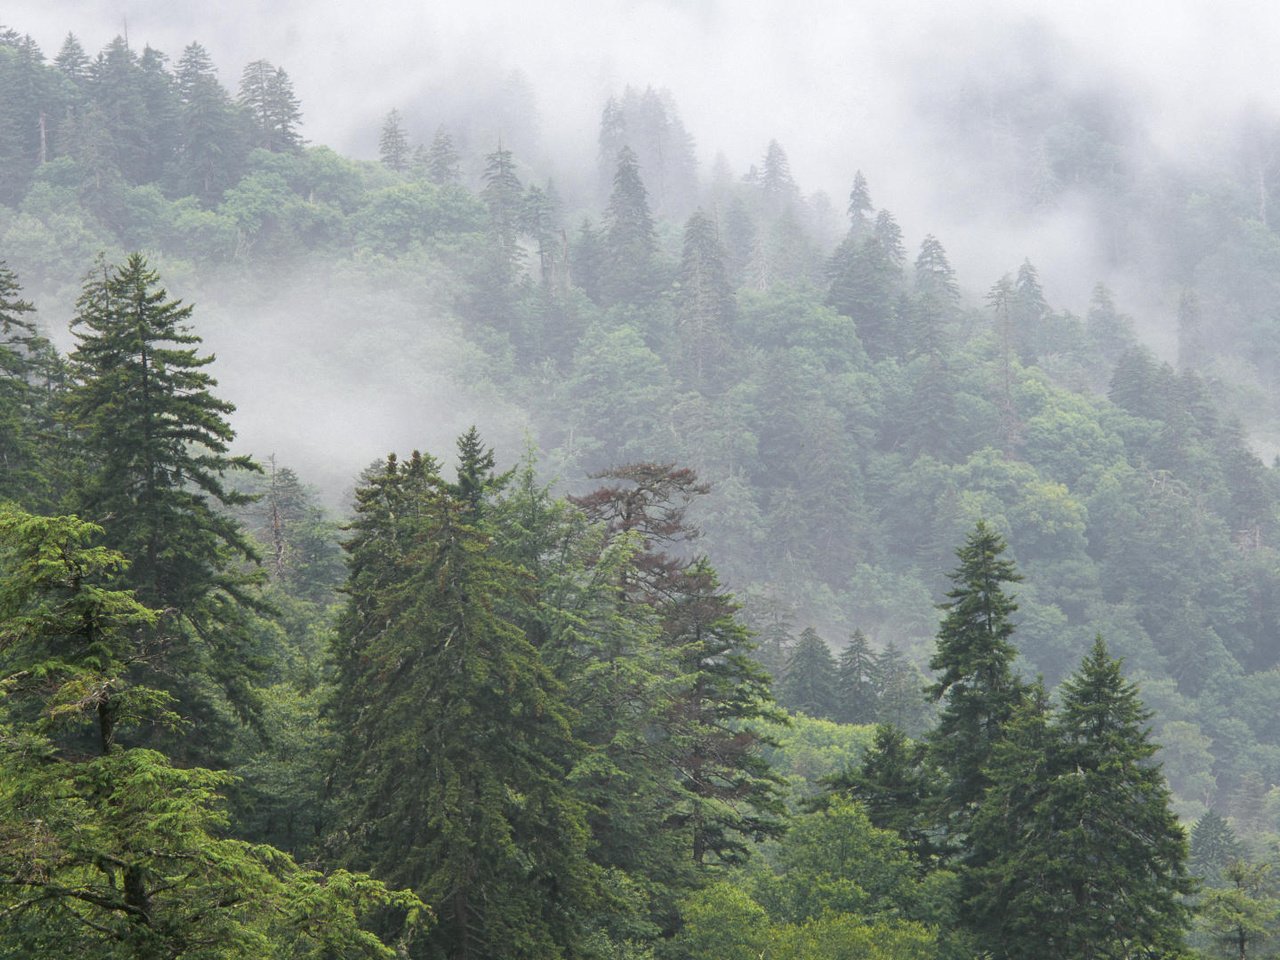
[842, 85]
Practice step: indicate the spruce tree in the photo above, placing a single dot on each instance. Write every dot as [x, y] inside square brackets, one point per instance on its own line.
[457, 741]
[273, 111]
[856, 681]
[1214, 847]
[1075, 853]
[973, 660]
[897, 784]
[809, 684]
[393, 144]
[630, 240]
[444, 168]
[212, 143]
[727, 792]
[157, 442]
[705, 306]
[25, 359]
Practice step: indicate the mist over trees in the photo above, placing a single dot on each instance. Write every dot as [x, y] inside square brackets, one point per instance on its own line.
[839, 605]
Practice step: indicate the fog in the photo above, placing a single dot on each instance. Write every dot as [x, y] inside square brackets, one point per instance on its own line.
[843, 86]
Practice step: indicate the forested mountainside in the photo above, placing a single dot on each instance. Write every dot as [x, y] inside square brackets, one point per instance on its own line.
[728, 444]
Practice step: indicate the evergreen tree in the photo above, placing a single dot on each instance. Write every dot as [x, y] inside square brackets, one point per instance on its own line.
[856, 681]
[212, 142]
[24, 356]
[975, 682]
[705, 306]
[937, 298]
[630, 241]
[809, 684]
[393, 144]
[274, 112]
[728, 793]
[1214, 847]
[457, 740]
[503, 194]
[157, 440]
[1029, 312]
[444, 168]
[1191, 343]
[900, 691]
[859, 207]
[108, 850]
[1078, 853]
[778, 188]
[588, 260]
[72, 61]
[898, 787]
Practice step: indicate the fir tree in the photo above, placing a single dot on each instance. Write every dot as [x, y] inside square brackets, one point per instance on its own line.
[856, 681]
[25, 357]
[809, 683]
[728, 794]
[1075, 851]
[274, 112]
[457, 739]
[630, 241]
[212, 143]
[444, 168]
[705, 306]
[157, 441]
[897, 785]
[973, 660]
[1214, 847]
[393, 144]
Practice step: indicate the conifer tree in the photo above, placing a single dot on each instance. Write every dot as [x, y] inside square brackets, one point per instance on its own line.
[457, 739]
[728, 794]
[856, 681]
[705, 306]
[975, 683]
[212, 143]
[24, 356]
[109, 850]
[776, 184]
[1075, 852]
[444, 168]
[1214, 847]
[630, 240]
[900, 691]
[859, 207]
[393, 144]
[157, 442]
[898, 787]
[809, 683]
[274, 112]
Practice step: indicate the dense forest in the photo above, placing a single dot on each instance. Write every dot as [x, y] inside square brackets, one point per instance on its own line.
[789, 597]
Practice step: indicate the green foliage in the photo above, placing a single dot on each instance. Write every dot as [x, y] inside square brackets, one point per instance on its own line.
[480, 821]
[118, 853]
[974, 661]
